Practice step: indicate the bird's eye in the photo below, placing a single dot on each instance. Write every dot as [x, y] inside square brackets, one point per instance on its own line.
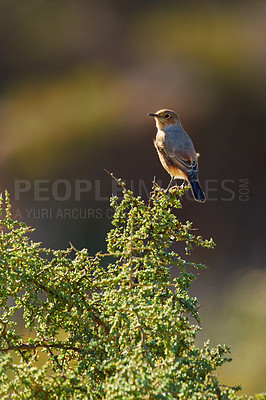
[166, 116]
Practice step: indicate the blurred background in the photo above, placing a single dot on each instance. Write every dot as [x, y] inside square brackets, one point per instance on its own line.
[77, 80]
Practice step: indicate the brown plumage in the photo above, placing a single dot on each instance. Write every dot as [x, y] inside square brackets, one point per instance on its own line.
[176, 151]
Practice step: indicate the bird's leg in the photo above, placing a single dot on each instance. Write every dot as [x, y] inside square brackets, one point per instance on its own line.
[170, 184]
[184, 183]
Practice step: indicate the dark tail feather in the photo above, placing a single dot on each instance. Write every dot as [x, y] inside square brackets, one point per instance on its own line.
[197, 191]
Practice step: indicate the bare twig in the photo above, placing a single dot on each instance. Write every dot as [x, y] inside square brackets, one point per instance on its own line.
[117, 180]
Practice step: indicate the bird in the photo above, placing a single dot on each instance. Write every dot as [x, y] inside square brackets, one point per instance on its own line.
[176, 151]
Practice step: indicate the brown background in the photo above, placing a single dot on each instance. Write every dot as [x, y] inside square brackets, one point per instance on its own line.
[77, 81]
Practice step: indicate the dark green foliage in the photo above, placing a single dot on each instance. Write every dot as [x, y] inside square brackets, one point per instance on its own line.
[121, 332]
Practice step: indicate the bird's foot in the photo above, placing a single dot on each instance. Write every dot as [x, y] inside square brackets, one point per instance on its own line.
[183, 185]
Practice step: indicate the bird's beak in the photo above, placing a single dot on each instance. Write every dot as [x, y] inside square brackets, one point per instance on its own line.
[153, 115]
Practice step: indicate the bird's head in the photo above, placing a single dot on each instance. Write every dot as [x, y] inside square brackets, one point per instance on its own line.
[165, 118]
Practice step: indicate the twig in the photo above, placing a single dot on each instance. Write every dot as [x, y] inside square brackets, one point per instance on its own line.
[33, 346]
[117, 180]
[4, 335]
[143, 336]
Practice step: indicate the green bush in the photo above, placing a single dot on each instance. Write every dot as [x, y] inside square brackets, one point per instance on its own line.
[109, 326]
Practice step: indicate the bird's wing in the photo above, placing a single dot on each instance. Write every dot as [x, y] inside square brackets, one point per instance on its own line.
[186, 165]
[178, 149]
[190, 167]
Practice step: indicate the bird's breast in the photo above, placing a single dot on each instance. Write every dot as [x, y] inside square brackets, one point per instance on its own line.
[160, 139]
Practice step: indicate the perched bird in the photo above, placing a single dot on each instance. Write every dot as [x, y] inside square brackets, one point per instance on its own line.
[176, 151]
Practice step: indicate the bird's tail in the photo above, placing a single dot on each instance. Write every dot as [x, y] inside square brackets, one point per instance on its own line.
[196, 190]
